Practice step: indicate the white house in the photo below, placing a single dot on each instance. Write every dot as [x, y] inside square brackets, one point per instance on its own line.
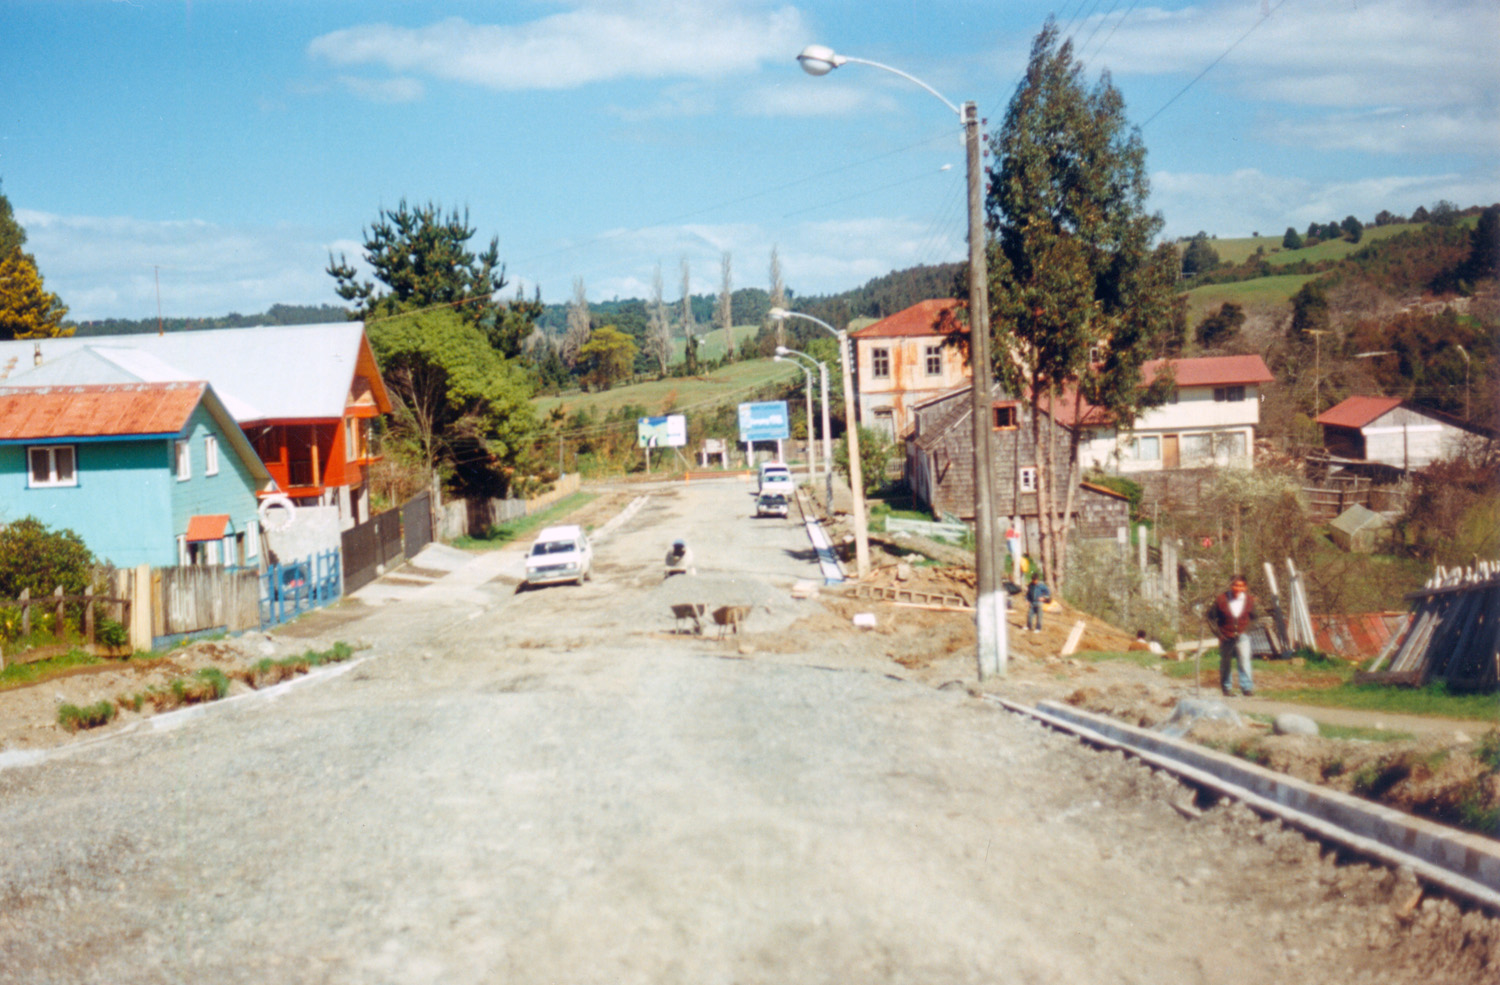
[1392, 432]
[1209, 420]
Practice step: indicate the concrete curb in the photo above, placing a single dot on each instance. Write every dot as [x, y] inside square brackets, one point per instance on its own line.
[1467, 865]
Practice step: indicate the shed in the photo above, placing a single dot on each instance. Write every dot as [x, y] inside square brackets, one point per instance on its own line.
[1359, 530]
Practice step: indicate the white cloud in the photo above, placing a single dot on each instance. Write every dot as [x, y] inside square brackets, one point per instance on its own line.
[799, 98]
[397, 90]
[1249, 200]
[1429, 60]
[107, 266]
[592, 41]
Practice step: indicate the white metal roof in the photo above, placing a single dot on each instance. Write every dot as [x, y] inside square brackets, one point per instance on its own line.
[268, 372]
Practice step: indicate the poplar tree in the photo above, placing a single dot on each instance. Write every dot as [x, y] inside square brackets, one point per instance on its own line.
[578, 324]
[1080, 296]
[689, 324]
[778, 295]
[659, 330]
[724, 310]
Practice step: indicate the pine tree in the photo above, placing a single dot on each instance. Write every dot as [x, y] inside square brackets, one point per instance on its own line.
[27, 309]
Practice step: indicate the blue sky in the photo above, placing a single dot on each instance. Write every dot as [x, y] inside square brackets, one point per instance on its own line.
[227, 146]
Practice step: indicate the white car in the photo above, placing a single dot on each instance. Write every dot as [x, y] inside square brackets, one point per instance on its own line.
[560, 554]
[776, 478]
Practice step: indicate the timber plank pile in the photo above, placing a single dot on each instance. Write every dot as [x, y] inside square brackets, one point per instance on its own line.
[910, 596]
[1453, 634]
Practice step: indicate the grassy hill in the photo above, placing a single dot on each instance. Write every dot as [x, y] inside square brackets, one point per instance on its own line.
[1237, 251]
[1261, 296]
[731, 384]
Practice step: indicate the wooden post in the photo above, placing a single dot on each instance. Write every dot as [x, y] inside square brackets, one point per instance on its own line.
[88, 615]
[25, 612]
[59, 627]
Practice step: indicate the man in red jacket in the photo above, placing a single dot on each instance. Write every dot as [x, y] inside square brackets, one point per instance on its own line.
[1231, 615]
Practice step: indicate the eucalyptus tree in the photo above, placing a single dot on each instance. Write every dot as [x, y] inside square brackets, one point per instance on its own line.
[1081, 297]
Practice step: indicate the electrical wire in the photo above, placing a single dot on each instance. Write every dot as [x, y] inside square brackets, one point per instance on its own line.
[1209, 67]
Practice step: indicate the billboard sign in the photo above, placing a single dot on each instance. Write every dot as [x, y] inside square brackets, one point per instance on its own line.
[766, 421]
[661, 432]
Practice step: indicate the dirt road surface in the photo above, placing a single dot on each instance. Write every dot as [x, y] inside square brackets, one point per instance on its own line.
[552, 786]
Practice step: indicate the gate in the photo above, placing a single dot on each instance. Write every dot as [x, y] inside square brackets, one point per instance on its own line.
[416, 524]
[370, 547]
[290, 589]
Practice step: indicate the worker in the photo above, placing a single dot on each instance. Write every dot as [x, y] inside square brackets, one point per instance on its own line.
[680, 559]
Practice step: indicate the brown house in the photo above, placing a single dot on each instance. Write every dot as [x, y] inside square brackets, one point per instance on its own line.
[940, 467]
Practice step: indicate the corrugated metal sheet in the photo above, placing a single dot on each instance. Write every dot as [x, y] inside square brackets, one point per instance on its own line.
[935, 317]
[1211, 370]
[120, 410]
[209, 526]
[1356, 412]
[272, 372]
[1358, 636]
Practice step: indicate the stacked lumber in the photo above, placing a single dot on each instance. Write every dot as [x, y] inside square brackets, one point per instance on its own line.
[1453, 635]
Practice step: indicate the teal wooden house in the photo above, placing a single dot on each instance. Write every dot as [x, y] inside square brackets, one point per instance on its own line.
[146, 473]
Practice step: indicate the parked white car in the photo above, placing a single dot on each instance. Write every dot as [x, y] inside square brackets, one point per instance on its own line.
[560, 554]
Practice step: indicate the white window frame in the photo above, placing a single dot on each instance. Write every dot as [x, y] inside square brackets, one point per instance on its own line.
[1136, 442]
[932, 360]
[1028, 479]
[52, 481]
[879, 355]
[210, 455]
[252, 540]
[184, 453]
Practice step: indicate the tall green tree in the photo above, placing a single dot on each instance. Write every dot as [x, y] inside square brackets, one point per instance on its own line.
[1080, 296]
[423, 259]
[462, 408]
[607, 357]
[1199, 256]
[12, 236]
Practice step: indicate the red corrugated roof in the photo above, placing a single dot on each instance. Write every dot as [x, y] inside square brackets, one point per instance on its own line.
[1212, 370]
[1360, 635]
[99, 411]
[934, 317]
[1356, 412]
[207, 527]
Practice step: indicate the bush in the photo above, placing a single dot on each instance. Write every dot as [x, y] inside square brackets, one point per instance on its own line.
[74, 718]
[33, 557]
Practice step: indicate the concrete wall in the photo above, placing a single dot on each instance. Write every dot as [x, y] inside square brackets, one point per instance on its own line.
[313, 530]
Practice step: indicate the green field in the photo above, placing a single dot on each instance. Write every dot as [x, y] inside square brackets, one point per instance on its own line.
[711, 344]
[1237, 251]
[731, 384]
[1263, 295]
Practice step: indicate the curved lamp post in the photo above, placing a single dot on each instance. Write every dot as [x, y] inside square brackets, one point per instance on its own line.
[989, 606]
[851, 431]
[782, 350]
[812, 445]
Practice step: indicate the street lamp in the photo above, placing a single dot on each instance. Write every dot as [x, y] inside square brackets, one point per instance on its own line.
[782, 350]
[989, 606]
[812, 447]
[851, 432]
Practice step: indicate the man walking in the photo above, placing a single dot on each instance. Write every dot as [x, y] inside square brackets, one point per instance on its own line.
[1230, 615]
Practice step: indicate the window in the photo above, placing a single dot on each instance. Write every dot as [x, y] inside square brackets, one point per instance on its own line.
[1197, 447]
[934, 360]
[1228, 394]
[252, 540]
[1145, 449]
[51, 465]
[184, 460]
[210, 455]
[351, 440]
[1007, 416]
[880, 363]
[1028, 480]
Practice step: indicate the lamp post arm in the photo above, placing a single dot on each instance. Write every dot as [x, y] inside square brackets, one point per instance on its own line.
[907, 77]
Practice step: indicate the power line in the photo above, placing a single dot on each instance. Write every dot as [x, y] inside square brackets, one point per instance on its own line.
[1225, 54]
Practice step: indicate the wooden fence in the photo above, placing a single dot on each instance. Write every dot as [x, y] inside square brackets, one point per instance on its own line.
[196, 598]
[58, 604]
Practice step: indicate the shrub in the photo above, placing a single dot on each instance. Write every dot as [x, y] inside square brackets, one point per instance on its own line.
[33, 557]
[74, 718]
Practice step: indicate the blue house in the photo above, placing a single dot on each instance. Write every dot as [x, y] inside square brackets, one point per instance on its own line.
[146, 473]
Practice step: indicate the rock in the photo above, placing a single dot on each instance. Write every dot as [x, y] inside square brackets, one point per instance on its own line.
[1288, 723]
[1190, 711]
[864, 620]
[903, 572]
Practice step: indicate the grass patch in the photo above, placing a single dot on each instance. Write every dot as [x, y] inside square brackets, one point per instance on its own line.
[1266, 295]
[515, 529]
[19, 675]
[1433, 701]
[74, 718]
[726, 385]
[1360, 733]
[268, 672]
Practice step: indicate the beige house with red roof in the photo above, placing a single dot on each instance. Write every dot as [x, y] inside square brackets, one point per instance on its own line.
[903, 360]
[1392, 432]
[1209, 421]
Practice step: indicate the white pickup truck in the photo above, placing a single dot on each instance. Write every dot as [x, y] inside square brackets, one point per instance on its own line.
[560, 554]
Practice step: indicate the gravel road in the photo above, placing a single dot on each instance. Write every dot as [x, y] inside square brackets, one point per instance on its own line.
[551, 787]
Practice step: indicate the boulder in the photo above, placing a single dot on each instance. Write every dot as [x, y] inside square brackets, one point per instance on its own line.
[1289, 723]
[1190, 711]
